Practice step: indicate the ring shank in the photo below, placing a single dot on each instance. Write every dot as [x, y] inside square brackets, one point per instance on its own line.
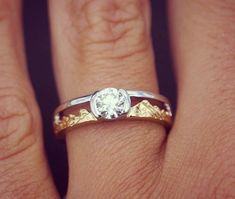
[87, 98]
[144, 106]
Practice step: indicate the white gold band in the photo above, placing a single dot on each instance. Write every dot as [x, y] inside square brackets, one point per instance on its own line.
[87, 98]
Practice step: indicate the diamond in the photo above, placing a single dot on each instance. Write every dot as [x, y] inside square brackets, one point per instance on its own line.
[110, 103]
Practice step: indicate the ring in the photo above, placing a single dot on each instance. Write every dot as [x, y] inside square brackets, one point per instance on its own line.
[111, 104]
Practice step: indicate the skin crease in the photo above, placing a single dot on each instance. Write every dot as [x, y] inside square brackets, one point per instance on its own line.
[124, 159]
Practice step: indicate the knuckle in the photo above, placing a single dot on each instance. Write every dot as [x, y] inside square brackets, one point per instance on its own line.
[107, 25]
[16, 125]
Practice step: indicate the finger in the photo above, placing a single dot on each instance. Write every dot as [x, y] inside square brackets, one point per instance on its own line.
[203, 45]
[23, 167]
[101, 44]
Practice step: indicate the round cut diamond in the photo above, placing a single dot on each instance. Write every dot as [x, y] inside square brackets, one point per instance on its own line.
[110, 103]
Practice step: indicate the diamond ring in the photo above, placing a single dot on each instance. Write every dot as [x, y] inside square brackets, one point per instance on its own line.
[111, 104]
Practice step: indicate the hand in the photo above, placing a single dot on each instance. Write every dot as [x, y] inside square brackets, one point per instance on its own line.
[103, 43]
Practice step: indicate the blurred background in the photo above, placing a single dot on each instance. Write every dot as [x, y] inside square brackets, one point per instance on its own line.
[37, 40]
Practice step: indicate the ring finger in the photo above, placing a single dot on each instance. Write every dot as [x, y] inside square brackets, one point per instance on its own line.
[99, 44]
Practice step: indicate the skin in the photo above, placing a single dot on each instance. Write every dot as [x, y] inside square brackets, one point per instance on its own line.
[124, 159]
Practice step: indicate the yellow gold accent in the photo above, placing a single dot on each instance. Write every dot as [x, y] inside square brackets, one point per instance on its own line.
[146, 110]
[143, 109]
[72, 120]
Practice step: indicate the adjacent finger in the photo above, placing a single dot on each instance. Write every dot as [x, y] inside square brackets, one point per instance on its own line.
[101, 44]
[23, 167]
[204, 50]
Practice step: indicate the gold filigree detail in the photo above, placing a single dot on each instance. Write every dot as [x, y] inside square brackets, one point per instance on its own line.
[145, 109]
[72, 120]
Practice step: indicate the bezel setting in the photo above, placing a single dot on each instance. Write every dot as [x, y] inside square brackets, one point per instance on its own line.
[110, 103]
